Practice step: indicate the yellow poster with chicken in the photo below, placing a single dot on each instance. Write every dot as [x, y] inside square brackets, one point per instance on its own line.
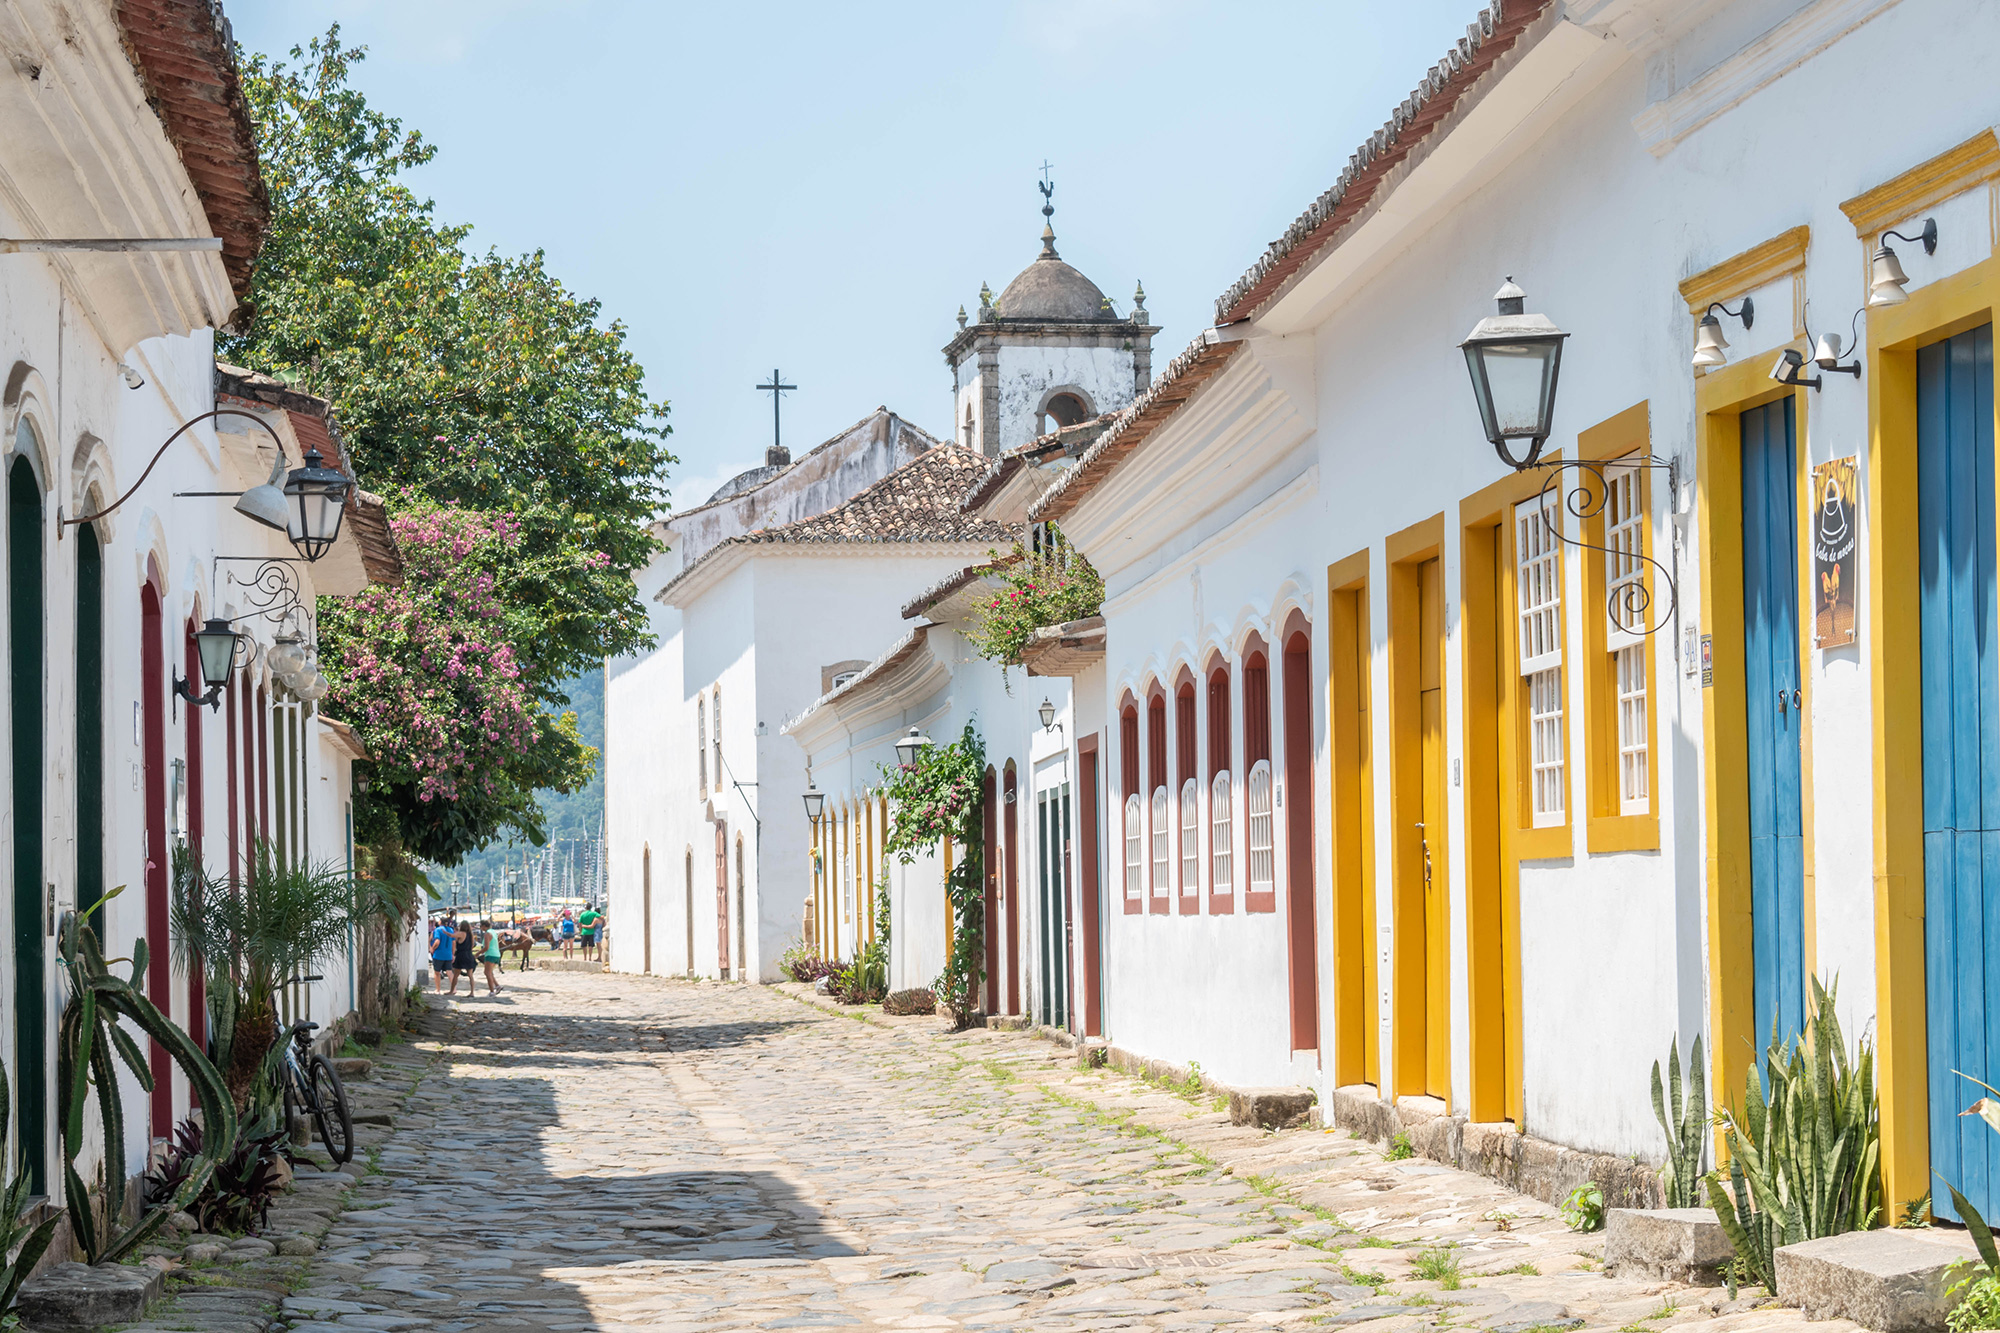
[1836, 497]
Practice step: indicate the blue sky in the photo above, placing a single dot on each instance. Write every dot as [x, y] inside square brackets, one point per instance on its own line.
[820, 187]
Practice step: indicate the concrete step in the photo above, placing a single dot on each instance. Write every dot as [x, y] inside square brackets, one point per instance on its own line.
[1892, 1281]
[1271, 1108]
[1670, 1244]
[78, 1296]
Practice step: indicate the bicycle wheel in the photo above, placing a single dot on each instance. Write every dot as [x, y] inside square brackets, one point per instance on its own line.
[336, 1122]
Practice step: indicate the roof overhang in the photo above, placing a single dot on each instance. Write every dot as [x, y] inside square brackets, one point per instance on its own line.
[342, 738]
[951, 599]
[688, 586]
[910, 672]
[1065, 650]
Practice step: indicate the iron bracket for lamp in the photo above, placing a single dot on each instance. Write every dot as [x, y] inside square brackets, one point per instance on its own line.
[1628, 601]
[273, 589]
[184, 689]
[1926, 238]
[1747, 312]
[1791, 364]
[185, 426]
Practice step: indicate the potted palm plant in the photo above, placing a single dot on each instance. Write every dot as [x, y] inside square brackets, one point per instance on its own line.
[251, 937]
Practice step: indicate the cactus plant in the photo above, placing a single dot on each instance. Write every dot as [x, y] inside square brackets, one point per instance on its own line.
[1804, 1163]
[1686, 1126]
[88, 1037]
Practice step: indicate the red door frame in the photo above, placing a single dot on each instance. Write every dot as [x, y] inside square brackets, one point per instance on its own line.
[197, 1024]
[153, 731]
[989, 820]
[1089, 882]
[1302, 955]
[1010, 887]
[722, 898]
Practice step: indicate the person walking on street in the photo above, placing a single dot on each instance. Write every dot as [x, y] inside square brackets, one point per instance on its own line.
[489, 956]
[462, 959]
[566, 932]
[441, 953]
[589, 922]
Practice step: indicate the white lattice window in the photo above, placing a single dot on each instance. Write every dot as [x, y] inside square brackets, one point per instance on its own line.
[1538, 580]
[1163, 866]
[701, 743]
[1134, 856]
[847, 882]
[1634, 794]
[717, 743]
[1190, 836]
[1221, 867]
[1263, 867]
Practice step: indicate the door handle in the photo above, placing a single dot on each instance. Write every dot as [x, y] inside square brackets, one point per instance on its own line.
[1796, 700]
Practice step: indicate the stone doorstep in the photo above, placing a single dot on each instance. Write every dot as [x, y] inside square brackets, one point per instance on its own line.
[1892, 1280]
[1668, 1244]
[1526, 1165]
[79, 1296]
[1271, 1108]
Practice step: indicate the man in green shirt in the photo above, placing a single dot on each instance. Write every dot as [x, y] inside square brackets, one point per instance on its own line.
[590, 922]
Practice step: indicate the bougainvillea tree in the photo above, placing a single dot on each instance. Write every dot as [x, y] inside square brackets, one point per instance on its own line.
[428, 674]
[931, 802]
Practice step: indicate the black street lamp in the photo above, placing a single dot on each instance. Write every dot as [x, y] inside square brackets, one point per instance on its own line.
[315, 500]
[216, 645]
[1514, 358]
[815, 801]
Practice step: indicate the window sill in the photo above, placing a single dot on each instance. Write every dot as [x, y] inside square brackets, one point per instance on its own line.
[1624, 833]
[1543, 844]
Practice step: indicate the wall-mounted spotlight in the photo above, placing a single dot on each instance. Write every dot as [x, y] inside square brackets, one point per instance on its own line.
[1790, 362]
[1886, 278]
[1826, 355]
[1709, 344]
[133, 379]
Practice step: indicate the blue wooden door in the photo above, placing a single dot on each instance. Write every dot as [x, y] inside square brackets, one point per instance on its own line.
[1772, 699]
[1961, 709]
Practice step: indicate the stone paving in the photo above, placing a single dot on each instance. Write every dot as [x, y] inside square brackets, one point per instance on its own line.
[598, 1152]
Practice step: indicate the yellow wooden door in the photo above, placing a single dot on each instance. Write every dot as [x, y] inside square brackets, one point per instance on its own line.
[1437, 899]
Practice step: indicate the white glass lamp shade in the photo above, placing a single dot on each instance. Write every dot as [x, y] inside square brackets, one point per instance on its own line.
[315, 500]
[1514, 359]
[310, 689]
[286, 656]
[1047, 712]
[266, 503]
[216, 643]
[1886, 280]
[1709, 343]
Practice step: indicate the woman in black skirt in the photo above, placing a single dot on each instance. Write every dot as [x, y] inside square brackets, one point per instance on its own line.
[461, 959]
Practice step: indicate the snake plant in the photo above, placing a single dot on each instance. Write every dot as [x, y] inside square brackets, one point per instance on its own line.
[89, 1035]
[1804, 1162]
[1686, 1125]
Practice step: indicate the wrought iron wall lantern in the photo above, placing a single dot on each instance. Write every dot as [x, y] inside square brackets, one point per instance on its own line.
[1886, 278]
[1709, 344]
[912, 745]
[217, 647]
[1515, 358]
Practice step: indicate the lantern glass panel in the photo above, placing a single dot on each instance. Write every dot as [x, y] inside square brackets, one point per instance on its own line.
[216, 645]
[1518, 378]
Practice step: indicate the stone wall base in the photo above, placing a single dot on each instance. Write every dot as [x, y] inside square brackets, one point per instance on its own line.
[1531, 1166]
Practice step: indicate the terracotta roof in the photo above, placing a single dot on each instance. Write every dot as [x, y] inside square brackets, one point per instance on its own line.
[184, 54]
[918, 502]
[1176, 384]
[1064, 439]
[1495, 33]
[368, 520]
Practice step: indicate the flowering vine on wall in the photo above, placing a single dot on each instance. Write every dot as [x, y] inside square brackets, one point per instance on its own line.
[936, 799]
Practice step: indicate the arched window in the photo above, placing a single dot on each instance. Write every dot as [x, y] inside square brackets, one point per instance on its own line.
[716, 736]
[1156, 783]
[701, 743]
[1263, 873]
[1221, 864]
[968, 424]
[1190, 835]
[1128, 758]
[1068, 408]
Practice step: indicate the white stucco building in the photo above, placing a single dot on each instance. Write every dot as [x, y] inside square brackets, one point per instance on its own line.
[116, 542]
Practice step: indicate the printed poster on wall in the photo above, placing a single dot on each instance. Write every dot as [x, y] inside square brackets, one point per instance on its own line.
[1836, 493]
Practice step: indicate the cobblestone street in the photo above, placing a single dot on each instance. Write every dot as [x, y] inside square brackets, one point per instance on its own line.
[593, 1152]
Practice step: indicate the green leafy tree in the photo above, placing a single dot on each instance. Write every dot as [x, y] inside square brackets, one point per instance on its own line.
[461, 380]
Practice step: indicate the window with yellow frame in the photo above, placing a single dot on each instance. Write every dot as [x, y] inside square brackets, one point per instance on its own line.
[1621, 763]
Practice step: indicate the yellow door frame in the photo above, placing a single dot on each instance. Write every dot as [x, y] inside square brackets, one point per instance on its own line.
[1933, 313]
[1357, 1051]
[1407, 551]
[1498, 826]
